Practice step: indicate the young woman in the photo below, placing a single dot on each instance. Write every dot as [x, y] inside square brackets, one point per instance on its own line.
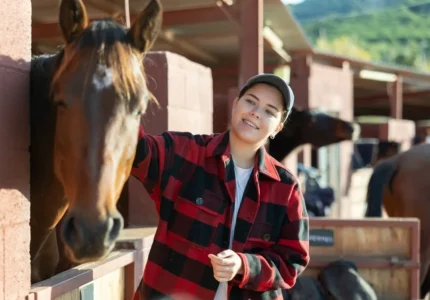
[232, 220]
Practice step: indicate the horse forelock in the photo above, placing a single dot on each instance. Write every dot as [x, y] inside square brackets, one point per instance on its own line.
[106, 42]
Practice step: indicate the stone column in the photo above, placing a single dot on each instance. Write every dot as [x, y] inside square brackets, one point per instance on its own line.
[15, 53]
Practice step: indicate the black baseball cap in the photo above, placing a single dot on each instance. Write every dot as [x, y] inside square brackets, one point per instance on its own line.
[275, 81]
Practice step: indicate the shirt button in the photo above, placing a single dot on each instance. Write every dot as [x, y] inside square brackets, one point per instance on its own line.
[199, 201]
[266, 237]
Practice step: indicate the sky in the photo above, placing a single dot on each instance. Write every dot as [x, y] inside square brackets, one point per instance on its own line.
[292, 1]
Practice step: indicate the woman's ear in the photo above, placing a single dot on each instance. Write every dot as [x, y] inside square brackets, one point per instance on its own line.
[279, 128]
[235, 102]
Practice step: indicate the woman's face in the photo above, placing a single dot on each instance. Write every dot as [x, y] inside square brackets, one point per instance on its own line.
[257, 114]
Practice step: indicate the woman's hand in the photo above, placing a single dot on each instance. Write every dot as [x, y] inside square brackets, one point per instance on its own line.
[226, 265]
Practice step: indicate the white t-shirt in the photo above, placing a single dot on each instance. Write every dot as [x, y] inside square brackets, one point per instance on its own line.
[242, 176]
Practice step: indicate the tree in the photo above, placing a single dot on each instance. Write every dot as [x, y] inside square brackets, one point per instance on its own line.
[343, 45]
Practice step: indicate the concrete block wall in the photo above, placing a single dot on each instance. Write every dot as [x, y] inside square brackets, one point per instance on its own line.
[15, 53]
[320, 86]
[184, 90]
[332, 88]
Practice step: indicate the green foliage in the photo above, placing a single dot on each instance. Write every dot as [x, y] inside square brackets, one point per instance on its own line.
[391, 31]
[344, 45]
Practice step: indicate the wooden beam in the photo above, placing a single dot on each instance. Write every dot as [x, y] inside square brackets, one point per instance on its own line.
[170, 19]
[188, 47]
[386, 103]
[406, 95]
[199, 15]
[232, 69]
[369, 65]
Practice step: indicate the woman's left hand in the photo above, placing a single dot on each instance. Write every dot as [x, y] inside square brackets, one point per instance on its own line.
[226, 265]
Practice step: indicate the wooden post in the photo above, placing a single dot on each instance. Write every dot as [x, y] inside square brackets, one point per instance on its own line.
[251, 39]
[127, 13]
[396, 99]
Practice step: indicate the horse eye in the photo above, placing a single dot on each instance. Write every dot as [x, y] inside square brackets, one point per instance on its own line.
[60, 104]
[137, 112]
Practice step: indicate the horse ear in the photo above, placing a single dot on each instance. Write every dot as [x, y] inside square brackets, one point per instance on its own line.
[73, 19]
[146, 27]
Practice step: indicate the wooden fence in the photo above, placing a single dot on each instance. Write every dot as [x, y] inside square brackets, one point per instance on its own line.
[115, 277]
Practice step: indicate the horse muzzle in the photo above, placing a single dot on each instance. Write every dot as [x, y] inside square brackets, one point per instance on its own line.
[88, 240]
[356, 131]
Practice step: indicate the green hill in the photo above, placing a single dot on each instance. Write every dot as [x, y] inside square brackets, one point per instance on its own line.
[391, 31]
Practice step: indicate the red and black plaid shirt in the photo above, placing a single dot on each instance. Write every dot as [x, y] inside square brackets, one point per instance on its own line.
[191, 180]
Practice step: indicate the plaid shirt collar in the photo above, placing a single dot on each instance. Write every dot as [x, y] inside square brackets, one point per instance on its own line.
[220, 146]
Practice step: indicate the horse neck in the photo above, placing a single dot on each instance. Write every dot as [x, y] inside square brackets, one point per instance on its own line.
[42, 111]
[282, 145]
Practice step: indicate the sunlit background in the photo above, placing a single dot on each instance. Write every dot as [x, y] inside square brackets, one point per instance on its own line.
[389, 31]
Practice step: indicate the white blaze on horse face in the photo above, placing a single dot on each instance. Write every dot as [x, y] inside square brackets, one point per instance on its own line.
[103, 77]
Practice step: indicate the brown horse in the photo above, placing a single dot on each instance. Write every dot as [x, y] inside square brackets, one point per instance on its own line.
[311, 127]
[86, 105]
[401, 185]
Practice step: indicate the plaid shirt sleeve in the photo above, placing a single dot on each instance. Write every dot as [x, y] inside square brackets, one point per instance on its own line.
[153, 153]
[286, 260]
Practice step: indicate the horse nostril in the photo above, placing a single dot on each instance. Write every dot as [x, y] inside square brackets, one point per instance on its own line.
[115, 228]
[71, 235]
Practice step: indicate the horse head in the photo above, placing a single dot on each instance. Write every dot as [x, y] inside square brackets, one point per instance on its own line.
[100, 92]
[311, 127]
[321, 129]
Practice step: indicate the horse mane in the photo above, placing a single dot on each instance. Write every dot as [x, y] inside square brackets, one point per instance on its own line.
[41, 74]
[109, 41]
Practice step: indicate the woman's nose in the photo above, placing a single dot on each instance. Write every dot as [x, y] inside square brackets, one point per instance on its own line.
[255, 114]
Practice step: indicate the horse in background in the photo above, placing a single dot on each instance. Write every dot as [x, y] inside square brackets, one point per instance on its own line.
[311, 127]
[86, 104]
[400, 184]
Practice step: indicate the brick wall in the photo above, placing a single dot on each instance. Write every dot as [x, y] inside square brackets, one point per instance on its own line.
[185, 93]
[15, 51]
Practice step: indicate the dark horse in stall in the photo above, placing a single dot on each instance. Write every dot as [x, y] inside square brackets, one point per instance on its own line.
[86, 105]
[311, 127]
[400, 184]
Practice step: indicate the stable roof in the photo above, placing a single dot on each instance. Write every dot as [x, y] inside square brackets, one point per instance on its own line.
[205, 31]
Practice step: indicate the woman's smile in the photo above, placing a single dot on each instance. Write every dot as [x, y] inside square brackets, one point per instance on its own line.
[250, 124]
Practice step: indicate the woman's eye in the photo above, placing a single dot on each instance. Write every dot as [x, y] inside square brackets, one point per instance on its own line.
[249, 101]
[270, 113]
